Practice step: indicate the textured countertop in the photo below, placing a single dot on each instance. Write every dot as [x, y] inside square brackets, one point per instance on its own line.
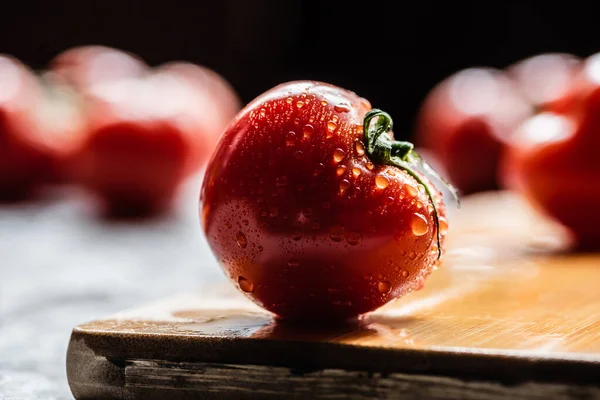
[61, 265]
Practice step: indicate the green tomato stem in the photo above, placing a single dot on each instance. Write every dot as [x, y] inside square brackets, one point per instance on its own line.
[384, 150]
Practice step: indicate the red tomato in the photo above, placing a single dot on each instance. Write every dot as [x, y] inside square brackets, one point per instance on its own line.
[464, 122]
[60, 116]
[553, 160]
[24, 155]
[310, 217]
[84, 66]
[215, 102]
[145, 137]
[547, 79]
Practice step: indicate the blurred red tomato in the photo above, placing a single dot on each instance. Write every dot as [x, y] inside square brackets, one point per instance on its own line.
[147, 134]
[547, 79]
[464, 121]
[212, 102]
[553, 159]
[61, 119]
[84, 66]
[24, 151]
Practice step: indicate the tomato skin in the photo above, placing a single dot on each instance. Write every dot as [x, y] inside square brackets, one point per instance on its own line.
[85, 66]
[147, 135]
[547, 80]
[134, 156]
[292, 210]
[464, 122]
[212, 104]
[553, 160]
[24, 156]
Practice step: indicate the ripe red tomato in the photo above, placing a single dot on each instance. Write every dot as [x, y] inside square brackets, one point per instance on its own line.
[310, 217]
[24, 155]
[464, 121]
[84, 66]
[213, 102]
[145, 136]
[553, 160]
[60, 115]
[547, 79]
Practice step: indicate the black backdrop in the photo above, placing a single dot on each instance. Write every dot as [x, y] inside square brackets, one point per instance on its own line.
[390, 52]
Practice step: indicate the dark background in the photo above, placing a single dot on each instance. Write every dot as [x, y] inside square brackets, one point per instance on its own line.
[392, 52]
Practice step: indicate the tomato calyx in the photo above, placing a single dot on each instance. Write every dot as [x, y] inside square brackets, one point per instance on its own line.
[385, 150]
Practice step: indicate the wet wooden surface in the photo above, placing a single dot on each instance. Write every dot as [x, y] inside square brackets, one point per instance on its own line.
[509, 308]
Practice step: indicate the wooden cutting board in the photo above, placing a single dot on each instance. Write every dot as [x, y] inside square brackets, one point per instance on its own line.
[511, 313]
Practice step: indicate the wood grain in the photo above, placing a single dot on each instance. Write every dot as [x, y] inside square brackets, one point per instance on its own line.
[510, 306]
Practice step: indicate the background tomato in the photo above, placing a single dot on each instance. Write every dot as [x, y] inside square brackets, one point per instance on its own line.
[24, 155]
[464, 121]
[303, 220]
[547, 79]
[146, 135]
[84, 66]
[211, 103]
[553, 160]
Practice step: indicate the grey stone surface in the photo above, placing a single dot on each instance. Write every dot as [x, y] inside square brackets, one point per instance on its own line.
[61, 265]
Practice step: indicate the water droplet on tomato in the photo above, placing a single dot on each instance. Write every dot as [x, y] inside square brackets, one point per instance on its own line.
[289, 100]
[404, 274]
[344, 185]
[262, 112]
[337, 233]
[412, 255]
[281, 181]
[359, 147]
[338, 155]
[381, 181]
[410, 190]
[293, 262]
[245, 285]
[296, 235]
[419, 225]
[356, 172]
[324, 102]
[389, 201]
[443, 225]
[419, 284]
[296, 121]
[307, 131]
[290, 138]
[311, 119]
[335, 118]
[370, 166]
[299, 104]
[340, 170]
[384, 287]
[421, 188]
[298, 154]
[331, 125]
[241, 240]
[260, 249]
[430, 208]
[353, 238]
[419, 204]
[341, 108]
